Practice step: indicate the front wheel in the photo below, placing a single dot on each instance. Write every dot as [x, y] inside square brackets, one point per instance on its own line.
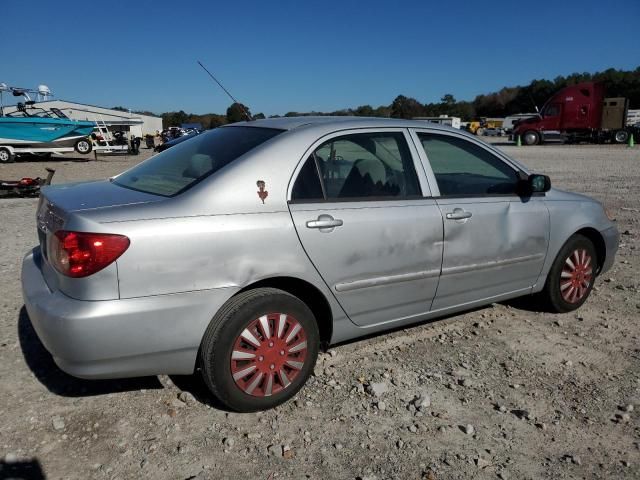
[531, 137]
[259, 349]
[83, 146]
[621, 136]
[572, 275]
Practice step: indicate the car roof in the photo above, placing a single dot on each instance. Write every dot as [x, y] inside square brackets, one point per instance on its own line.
[339, 123]
[311, 128]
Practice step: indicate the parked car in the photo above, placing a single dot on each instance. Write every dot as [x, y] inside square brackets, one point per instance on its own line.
[172, 143]
[246, 249]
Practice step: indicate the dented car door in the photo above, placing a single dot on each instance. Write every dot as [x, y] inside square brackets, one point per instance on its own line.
[358, 207]
[495, 241]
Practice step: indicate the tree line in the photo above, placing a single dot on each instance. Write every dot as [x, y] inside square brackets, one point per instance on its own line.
[506, 101]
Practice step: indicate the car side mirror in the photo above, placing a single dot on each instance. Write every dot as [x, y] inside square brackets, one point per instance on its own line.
[538, 183]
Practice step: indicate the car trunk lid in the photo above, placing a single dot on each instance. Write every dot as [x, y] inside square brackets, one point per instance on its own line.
[72, 207]
[75, 197]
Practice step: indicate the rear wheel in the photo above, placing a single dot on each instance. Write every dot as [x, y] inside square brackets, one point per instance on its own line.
[531, 137]
[83, 146]
[5, 155]
[621, 136]
[259, 349]
[572, 275]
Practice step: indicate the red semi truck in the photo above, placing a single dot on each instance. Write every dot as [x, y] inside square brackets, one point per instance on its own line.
[579, 113]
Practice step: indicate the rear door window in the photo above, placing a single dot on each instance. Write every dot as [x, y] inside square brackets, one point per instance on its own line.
[359, 166]
[182, 166]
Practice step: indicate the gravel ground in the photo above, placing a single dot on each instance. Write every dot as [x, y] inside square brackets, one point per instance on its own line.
[501, 392]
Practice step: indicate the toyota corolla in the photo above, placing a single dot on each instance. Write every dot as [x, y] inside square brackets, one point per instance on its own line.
[243, 251]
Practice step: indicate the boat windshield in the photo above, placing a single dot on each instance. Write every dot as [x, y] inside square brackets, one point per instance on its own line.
[16, 114]
[38, 113]
[59, 113]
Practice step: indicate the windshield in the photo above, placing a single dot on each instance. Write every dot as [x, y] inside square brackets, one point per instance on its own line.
[178, 168]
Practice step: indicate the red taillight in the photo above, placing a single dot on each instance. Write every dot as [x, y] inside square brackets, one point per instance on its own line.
[80, 254]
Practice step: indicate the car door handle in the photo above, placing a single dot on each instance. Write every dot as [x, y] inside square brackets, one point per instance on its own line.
[324, 221]
[458, 214]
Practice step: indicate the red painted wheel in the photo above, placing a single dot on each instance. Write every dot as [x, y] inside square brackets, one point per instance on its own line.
[572, 275]
[269, 354]
[576, 276]
[259, 349]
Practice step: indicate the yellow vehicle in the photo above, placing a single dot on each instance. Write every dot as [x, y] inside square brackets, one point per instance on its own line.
[478, 125]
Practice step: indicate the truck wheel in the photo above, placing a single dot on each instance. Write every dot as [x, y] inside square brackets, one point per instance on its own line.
[5, 155]
[531, 137]
[259, 349]
[621, 136]
[83, 146]
[480, 131]
[572, 275]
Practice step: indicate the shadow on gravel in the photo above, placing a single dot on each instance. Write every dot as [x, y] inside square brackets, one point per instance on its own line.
[22, 470]
[194, 384]
[52, 159]
[47, 372]
[529, 303]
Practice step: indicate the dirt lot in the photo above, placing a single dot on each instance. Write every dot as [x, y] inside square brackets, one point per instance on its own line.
[506, 392]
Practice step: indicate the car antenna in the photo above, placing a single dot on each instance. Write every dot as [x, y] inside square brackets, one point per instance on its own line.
[246, 113]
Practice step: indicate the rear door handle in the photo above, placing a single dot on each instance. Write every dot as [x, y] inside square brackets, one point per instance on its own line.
[325, 223]
[458, 214]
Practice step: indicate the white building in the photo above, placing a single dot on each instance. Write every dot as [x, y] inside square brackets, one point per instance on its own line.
[132, 123]
[442, 120]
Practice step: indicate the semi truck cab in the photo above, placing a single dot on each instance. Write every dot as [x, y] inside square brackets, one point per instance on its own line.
[576, 113]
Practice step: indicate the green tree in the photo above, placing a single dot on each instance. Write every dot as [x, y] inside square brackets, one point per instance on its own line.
[237, 112]
[448, 99]
[404, 107]
[174, 119]
[364, 111]
[382, 111]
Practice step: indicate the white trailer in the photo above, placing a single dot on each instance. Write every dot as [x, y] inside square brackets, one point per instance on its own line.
[442, 120]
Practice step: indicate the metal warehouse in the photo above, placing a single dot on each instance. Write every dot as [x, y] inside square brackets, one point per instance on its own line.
[132, 123]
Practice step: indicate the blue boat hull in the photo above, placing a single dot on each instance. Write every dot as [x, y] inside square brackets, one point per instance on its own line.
[34, 131]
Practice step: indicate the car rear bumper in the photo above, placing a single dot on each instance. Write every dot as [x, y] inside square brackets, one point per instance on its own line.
[611, 238]
[118, 338]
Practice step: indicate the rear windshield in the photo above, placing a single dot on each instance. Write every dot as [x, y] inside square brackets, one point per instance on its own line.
[178, 168]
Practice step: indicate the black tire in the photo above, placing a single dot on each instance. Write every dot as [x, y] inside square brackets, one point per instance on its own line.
[224, 331]
[621, 136]
[530, 137]
[480, 131]
[6, 156]
[556, 291]
[83, 146]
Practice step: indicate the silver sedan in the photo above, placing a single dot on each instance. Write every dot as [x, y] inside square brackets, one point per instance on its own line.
[244, 250]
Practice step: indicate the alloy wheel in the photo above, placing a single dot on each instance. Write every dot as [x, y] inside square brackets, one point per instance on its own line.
[83, 147]
[576, 276]
[268, 354]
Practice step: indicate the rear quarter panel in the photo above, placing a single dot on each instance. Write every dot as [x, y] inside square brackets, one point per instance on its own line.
[174, 255]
